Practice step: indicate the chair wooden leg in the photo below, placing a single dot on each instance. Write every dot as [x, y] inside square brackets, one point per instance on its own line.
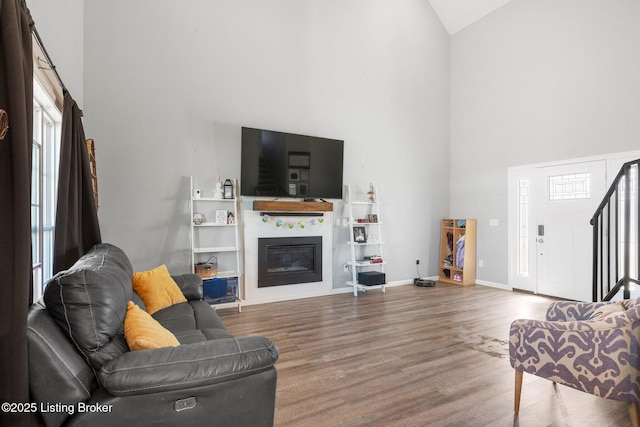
[634, 414]
[516, 406]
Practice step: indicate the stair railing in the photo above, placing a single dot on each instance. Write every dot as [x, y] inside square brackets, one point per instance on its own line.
[616, 234]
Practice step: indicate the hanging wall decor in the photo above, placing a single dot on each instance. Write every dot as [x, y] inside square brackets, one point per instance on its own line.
[291, 224]
[4, 124]
[91, 152]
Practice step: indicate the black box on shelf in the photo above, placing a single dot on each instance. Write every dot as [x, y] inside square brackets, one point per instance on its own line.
[370, 278]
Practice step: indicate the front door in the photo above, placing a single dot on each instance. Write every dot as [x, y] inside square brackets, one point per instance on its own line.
[551, 238]
[568, 195]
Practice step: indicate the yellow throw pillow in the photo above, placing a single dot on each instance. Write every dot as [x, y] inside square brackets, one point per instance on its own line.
[143, 332]
[157, 289]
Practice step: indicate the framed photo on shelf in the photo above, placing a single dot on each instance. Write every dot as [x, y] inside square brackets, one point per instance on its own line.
[221, 217]
[372, 217]
[359, 235]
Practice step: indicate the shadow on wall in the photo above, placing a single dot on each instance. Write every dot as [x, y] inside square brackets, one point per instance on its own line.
[176, 252]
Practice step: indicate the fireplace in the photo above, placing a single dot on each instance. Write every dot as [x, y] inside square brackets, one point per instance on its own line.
[289, 260]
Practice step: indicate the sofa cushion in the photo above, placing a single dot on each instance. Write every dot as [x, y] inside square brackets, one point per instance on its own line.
[157, 289]
[143, 332]
[89, 302]
[606, 311]
[176, 318]
[187, 366]
[191, 322]
[206, 317]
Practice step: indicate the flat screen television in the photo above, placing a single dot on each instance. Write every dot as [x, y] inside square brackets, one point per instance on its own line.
[280, 164]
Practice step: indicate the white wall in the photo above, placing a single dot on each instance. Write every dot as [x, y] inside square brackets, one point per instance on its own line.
[168, 86]
[537, 81]
[60, 24]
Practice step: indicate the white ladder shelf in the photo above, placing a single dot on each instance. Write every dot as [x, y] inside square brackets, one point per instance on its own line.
[210, 231]
[365, 239]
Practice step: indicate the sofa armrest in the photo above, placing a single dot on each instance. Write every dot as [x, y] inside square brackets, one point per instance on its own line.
[190, 285]
[187, 365]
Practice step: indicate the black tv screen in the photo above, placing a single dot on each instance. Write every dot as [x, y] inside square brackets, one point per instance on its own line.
[279, 164]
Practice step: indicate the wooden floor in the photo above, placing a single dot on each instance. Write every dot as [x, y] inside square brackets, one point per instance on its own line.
[411, 357]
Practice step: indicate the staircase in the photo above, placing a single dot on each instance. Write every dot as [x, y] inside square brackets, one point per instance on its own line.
[616, 234]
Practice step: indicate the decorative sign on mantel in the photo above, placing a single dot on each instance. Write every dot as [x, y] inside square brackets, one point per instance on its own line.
[291, 224]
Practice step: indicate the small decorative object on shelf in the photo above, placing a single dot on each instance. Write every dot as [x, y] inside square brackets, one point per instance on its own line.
[373, 218]
[217, 194]
[196, 193]
[228, 189]
[230, 218]
[198, 219]
[207, 269]
[371, 194]
[359, 235]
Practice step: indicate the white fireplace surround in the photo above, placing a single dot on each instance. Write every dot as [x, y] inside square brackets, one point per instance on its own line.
[255, 228]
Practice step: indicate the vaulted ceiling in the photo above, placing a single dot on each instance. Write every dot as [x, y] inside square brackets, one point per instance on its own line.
[458, 14]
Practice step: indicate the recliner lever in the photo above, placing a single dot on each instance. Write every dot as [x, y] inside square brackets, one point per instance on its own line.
[184, 404]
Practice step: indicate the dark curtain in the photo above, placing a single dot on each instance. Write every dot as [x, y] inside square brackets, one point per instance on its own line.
[16, 101]
[77, 227]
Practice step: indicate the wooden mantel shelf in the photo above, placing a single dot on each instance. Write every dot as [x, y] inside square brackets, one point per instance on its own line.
[283, 206]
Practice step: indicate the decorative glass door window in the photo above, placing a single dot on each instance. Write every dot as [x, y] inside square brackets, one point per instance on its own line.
[523, 227]
[570, 187]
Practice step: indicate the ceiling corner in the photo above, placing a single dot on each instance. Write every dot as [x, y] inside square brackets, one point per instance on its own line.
[458, 14]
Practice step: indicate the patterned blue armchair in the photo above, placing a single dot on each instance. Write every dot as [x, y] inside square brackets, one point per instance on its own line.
[592, 347]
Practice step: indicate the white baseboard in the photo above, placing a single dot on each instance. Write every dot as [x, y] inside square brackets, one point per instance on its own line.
[494, 285]
[481, 282]
[349, 289]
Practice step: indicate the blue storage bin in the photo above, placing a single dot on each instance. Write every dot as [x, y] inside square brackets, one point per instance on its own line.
[215, 288]
[218, 290]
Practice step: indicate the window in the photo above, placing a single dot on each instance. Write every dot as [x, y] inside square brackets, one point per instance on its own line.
[570, 187]
[523, 227]
[46, 152]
